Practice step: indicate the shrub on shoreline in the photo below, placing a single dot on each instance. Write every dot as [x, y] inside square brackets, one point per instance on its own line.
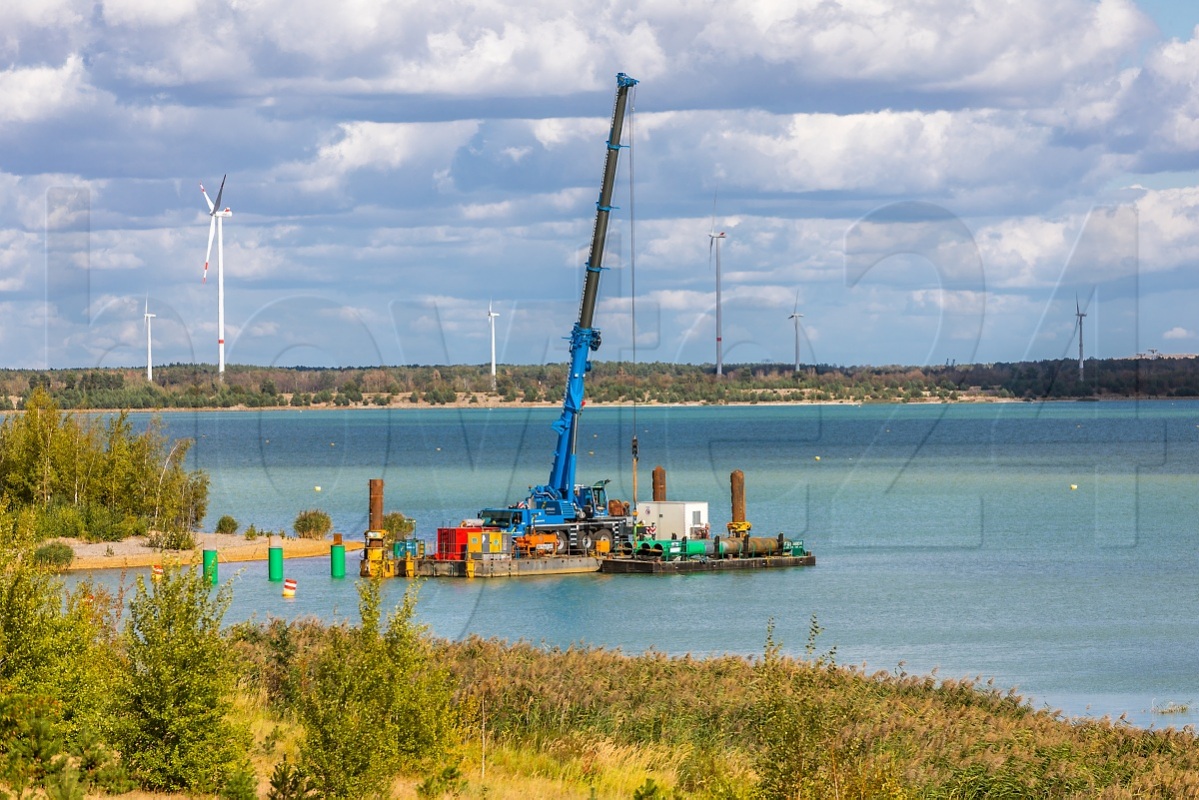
[54, 555]
[312, 524]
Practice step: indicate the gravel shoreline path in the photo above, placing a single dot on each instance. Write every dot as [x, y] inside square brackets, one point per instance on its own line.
[134, 552]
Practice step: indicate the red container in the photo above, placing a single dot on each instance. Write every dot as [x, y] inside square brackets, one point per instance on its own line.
[451, 543]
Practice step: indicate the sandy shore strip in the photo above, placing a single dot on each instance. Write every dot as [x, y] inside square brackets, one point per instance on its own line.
[231, 548]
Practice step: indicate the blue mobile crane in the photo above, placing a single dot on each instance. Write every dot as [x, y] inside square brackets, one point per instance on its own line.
[564, 516]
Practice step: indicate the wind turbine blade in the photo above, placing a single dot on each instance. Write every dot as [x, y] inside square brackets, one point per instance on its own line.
[795, 309]
[217, 205]
[208, 255]
[207, 199]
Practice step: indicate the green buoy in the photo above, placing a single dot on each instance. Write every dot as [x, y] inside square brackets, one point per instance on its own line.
[210, 568]
[337, 560]
[274, 571]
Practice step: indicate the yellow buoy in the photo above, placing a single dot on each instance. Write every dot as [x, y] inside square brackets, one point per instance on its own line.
[1073, 486]
[817, 458]
[316, 488]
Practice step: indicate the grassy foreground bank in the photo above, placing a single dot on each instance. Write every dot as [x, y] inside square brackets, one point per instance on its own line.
[147, 694]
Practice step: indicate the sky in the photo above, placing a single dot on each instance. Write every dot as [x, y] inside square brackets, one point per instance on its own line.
[924, 181]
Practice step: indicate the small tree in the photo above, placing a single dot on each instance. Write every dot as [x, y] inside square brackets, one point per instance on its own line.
[397, 526]
[226, 524]
[312, 524]
[381, 686]
[174, 727]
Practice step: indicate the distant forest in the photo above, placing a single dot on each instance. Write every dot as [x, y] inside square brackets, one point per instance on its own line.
[198, 386]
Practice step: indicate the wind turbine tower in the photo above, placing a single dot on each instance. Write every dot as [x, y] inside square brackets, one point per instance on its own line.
[491, 315]
[217, 216]
[1078, 312]
[714, 239]
[795, 315]
[149, 353]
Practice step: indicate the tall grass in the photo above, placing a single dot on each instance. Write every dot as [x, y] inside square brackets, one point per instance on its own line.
[383, 709]
[783, 727]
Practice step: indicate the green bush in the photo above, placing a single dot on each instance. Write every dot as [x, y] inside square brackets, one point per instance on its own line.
[55, 555]
[312, 524]
[226, 524]
[103, 525]
[172, 540]
[133, 526]
[61, 520]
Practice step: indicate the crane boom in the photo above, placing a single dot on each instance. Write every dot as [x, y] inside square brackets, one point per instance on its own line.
[585, 338]
[559, 518]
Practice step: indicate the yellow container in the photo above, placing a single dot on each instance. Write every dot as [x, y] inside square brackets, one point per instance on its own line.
[603, 547]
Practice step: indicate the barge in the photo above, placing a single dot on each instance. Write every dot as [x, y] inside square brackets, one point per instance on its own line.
[565, 526]
[654, 566]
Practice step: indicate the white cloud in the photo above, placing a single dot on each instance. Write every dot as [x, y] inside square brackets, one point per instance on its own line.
[1178, 332]
[30, 94]
[477, 211]
[556, 131]
[933, 44]
[381, 147]
[140, 13]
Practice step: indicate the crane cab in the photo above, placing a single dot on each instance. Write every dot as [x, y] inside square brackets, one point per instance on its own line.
[592, 501]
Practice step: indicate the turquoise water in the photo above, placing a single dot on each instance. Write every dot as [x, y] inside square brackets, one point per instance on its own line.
[1050, 547]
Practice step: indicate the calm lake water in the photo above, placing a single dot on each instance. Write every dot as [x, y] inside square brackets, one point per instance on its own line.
[1052, 547]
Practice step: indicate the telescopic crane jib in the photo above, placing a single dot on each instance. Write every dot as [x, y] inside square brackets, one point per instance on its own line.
[585, 338]
[560, 517]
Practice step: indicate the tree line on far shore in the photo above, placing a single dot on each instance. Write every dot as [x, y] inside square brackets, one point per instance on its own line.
[199, 386]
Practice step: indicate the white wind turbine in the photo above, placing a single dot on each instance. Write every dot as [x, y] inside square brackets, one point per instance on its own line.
[217, 215]
[491, 315]
[714, 244]
[795, 315]
[149, 354]
[1078, 312]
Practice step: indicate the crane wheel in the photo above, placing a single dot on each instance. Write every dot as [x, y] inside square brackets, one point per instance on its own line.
[586, 541]
[563, 543]
[603, 539]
